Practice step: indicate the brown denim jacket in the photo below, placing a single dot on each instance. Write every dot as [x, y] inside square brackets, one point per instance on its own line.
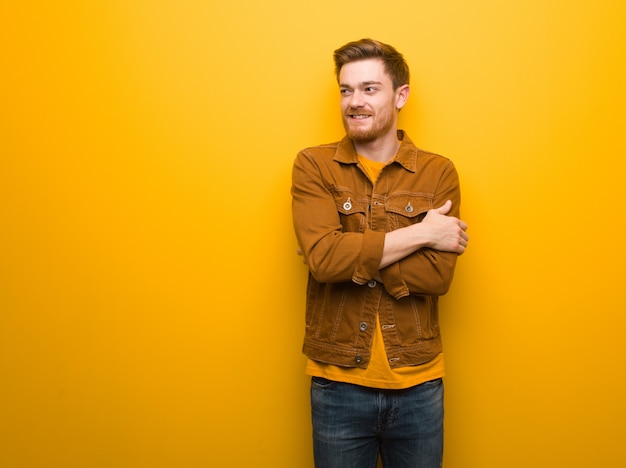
[340, 220]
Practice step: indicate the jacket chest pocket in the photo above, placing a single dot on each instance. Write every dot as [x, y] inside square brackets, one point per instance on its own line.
[404, 209]
[352, 211]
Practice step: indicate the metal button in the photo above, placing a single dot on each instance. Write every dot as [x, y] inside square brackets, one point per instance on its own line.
[363, 326]
[358, 359]
[347, 205]
[371, 283]
[408, 208]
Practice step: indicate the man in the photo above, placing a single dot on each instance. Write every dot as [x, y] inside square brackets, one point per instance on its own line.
[377, 222]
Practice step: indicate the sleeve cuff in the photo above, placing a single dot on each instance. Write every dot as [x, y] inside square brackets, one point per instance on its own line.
[369, 259]
[394, 282]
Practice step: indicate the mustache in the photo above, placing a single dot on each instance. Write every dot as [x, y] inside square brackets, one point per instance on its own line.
[352, 111]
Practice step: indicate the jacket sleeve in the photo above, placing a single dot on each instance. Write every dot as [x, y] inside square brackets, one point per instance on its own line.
[427, 272]
[331, 254]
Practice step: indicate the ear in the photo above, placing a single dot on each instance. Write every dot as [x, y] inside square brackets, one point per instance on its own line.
[402, 95]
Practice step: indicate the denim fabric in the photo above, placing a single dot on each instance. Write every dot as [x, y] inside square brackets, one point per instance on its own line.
[352, 424]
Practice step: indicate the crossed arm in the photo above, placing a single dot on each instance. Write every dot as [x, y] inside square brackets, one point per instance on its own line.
[415, 259]
[437, 231]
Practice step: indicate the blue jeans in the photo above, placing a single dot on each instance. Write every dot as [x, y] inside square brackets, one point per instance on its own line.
[353, 424]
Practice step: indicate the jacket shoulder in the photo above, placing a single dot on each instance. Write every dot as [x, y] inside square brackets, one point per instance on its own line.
[432, 159]
[429, 154]
[328, 150]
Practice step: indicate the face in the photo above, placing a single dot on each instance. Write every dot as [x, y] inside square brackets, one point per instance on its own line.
[369, 103]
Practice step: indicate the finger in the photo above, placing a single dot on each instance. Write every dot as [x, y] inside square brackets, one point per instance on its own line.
[445, 208]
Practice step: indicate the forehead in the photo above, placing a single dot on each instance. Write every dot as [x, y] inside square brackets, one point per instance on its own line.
[364, 71]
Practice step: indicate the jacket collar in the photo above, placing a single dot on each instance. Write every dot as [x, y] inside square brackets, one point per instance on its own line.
[406, 156]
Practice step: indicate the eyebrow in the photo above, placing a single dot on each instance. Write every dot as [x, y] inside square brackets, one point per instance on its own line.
[364, 83]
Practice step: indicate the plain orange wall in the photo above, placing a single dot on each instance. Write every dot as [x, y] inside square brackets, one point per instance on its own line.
[151, 301]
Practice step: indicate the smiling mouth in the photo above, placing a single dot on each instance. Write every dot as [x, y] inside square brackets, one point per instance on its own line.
[359, 116]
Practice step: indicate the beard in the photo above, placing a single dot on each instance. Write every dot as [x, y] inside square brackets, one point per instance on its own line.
[381, 123]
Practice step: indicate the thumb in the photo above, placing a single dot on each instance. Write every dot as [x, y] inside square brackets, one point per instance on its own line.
[445, 208]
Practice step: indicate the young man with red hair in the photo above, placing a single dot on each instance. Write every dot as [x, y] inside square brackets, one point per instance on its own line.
[377, 220]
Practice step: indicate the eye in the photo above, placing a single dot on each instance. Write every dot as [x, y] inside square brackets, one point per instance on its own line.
[344, 91]
[370, 89]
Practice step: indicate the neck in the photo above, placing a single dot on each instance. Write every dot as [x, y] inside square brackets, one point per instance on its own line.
[382, 149]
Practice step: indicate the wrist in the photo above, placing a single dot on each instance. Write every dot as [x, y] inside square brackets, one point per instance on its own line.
[419, 236]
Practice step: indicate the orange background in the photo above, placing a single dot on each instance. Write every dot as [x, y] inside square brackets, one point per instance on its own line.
[151, 302]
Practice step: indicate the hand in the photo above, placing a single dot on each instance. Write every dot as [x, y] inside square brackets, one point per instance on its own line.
[446, 233]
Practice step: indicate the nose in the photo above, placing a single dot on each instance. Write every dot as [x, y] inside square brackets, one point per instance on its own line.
[356, 100]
